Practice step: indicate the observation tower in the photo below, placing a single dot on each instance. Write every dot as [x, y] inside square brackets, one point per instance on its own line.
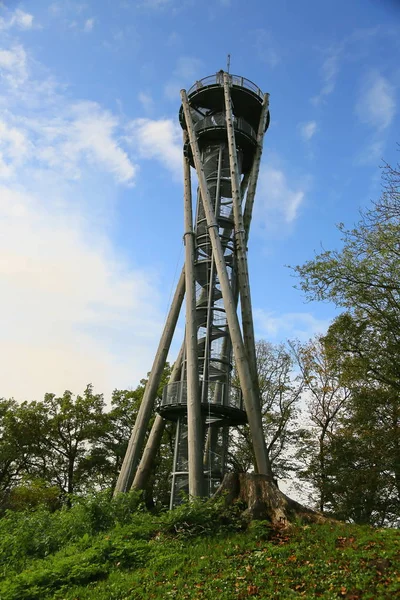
[223, 118]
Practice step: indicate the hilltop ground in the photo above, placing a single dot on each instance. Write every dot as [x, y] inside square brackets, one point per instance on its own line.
[108, 550]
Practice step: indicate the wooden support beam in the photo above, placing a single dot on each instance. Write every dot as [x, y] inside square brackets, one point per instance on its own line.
[194, 418]
[139, 430]
[253, 415]
[255, 169]
[153, 443]
[240, 244]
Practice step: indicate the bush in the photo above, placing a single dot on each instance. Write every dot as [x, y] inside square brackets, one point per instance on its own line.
[36, 533]
[32, 495]
[202, 517]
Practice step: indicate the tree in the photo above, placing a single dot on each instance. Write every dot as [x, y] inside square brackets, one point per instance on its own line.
[280, 392]
[369, 429]
[360, 463]
[67, 430]
[111, 448]
[20, 430]
[327, 397]
[364, 279]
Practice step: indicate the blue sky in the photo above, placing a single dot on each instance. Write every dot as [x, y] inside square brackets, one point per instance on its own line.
[90, 166]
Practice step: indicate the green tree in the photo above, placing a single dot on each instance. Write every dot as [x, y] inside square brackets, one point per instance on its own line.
[360, 462]
[363, 278]
[280, 393]
[68, 428]
[111, 447]
[20, 432]
[326, 398]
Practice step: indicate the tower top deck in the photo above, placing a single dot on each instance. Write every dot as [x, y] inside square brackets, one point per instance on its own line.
[217, 79]
[206, 97]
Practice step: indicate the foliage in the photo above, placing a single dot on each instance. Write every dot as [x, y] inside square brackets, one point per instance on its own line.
[362, 458]
[202, 517]
[70, 444]
[195, 551]
[280, 392]
[327, 399]
[364, 279]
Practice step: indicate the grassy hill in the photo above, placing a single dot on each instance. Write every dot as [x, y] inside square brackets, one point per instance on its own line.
[114, 550]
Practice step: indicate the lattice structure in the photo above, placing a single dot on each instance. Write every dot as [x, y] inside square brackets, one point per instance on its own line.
[224, 118]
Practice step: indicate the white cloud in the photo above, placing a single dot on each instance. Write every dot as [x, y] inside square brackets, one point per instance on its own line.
[187, 70]
[278, 327]
[160, 140]
[13, 149]
[307, 130]
[91, 133]
[19, 19]
[82, 135]
[277, 201]
[72, 311]
[88, 26]
[13, 68]
[376, 105]
[329, 71]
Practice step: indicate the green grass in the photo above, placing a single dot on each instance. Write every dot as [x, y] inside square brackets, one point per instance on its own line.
[197, 552]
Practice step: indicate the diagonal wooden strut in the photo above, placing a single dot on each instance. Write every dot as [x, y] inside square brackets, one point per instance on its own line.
[153, 443]
[255, 169]
[240, 245]
[194, 420]
[249, 396]
[139, 430]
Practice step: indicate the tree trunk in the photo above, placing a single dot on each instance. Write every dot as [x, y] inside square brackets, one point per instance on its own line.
[263, 500]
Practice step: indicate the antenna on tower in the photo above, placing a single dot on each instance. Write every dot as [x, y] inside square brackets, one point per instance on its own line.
[228, 63]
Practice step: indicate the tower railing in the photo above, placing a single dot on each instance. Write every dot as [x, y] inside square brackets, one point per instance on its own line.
[176, 394]
[217, 79]
[219, 121]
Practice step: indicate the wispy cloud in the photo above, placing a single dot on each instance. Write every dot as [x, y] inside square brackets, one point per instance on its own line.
[307, 130]
[88, 26]
[73, 310]
[279, 327]
[14, 147]
[353, 48]
[18, 18]
[69, 305]
[187, 70]
[376, 105]
[13, 66]
[376, 108]
[81, 135]
[158, 139]
[278, 201]
[329, 73]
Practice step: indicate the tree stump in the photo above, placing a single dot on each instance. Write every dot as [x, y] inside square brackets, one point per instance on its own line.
[264, 501]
